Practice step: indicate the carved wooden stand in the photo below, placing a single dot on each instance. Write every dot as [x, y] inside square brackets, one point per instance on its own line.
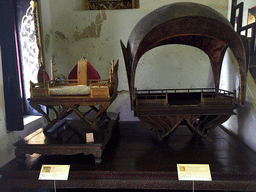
[199, 109]
[69, 139]
[70, 104]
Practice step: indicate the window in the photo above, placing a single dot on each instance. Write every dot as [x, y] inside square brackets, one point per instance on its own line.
[21, 57]
[29, 48]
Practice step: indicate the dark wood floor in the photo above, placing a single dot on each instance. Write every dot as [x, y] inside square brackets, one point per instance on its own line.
[136, 153]
[140, 149]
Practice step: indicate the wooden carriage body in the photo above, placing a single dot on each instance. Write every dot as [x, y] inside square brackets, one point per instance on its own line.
[194, 25]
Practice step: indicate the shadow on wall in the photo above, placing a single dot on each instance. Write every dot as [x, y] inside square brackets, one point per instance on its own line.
[122, 105]
[6, 149]
[246, 121]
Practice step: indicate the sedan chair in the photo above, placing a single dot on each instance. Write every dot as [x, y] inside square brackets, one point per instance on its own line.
[72, 93]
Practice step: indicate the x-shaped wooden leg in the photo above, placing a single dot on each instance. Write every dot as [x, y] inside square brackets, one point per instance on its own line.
[101, 111]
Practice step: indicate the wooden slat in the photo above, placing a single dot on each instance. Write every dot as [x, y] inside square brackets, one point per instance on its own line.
[82, 72]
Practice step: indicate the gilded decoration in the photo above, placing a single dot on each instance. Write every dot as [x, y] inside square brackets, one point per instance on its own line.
[109, 5]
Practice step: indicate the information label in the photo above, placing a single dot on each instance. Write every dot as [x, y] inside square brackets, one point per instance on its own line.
[54, 172]
[89, 137]
[194, 172]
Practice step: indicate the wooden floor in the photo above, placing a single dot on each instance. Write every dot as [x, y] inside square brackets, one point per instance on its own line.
[136, 159]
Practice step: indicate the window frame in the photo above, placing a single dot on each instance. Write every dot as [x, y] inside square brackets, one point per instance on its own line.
[12, 94]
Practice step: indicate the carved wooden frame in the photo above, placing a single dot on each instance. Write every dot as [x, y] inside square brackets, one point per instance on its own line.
[109, 4]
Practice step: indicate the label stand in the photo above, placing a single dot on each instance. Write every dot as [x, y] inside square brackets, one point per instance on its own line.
[54, 185]
[194, 172]
[54, 172]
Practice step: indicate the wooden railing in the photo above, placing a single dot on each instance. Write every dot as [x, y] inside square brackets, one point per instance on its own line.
[210, 91]
[97, 86]
[195, 96]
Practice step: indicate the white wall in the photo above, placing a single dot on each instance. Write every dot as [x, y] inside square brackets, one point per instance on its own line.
[174, 66]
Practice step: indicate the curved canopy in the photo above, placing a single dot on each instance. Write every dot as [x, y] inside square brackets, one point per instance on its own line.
[190, 24]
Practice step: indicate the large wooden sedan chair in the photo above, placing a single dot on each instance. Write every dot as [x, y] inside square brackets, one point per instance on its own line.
[200, 109]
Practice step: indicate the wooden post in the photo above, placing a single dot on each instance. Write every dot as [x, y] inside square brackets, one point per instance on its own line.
[52, 71]
[82, 72]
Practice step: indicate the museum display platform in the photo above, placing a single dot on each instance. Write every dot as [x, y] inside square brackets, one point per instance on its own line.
[69, 137]
[135, 158]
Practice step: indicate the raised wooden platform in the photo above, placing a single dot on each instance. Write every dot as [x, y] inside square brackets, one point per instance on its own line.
[134, 158]
[68, 138]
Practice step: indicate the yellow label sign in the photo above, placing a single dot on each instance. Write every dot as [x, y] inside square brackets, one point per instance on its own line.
[89, 137]
[54, 172]
[194, 172]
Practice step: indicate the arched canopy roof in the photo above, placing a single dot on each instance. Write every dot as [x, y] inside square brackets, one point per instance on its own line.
[190, 24]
